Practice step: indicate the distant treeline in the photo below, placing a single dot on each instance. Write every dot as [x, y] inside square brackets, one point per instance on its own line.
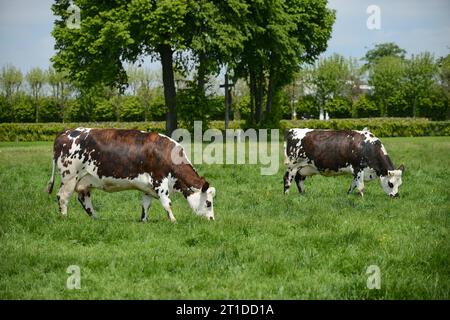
[386, 85]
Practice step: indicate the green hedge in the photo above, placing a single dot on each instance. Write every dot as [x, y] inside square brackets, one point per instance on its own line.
[48, 131]
[382, 127]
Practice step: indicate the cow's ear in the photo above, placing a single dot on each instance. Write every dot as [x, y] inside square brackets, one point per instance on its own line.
[401, 168]
[205, 186]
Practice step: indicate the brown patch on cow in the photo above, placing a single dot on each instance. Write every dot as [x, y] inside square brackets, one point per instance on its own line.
[331, 150]
[124, 154]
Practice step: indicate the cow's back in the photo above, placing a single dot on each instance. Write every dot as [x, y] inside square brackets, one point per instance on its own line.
[124, 154]
[328, 150]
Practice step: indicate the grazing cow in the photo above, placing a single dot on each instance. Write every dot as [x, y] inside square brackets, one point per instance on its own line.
[115, 160]
[332, 152]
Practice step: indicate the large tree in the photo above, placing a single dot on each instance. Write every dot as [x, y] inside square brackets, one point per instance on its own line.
[386, 77]
[118, 31]
[114, 32]
[331, 78]
[388, 49]
[420, 76]
[283, 34]
[36, 79]
[10, 80]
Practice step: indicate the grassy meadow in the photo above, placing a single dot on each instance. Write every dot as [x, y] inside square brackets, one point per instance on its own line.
[263, 244]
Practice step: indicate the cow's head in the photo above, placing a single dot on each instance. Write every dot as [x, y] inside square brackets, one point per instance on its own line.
[201, 201]
[392, 181]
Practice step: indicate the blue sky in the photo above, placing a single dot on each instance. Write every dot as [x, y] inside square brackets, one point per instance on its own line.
[416, 25]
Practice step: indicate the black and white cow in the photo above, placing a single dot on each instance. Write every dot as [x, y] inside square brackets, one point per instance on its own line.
[115, 160]
[333, 152]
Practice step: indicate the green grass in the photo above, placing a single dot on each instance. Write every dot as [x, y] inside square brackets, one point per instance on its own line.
[263, 244]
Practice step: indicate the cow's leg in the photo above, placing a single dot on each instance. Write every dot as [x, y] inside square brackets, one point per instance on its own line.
[146, 202]
[64, 193]
[288, 177]
[85, 199]
[353, 185]
[167, 205]
[300, 180]
[358, 182]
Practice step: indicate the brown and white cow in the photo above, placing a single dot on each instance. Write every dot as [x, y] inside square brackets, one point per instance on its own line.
[333, 152]
[114, 160]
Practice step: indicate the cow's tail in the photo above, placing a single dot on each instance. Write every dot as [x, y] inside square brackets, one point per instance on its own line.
[52, 179]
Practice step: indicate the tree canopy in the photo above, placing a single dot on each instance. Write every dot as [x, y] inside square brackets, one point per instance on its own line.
[381, 50]
[263, 41]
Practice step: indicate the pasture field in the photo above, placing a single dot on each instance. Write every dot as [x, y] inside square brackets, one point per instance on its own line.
[263, 244]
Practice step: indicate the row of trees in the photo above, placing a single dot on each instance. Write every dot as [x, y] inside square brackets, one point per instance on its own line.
[387, 84]
[263, 42]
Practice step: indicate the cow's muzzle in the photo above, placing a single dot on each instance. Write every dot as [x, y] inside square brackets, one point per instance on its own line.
[395, 195]
[211, 218]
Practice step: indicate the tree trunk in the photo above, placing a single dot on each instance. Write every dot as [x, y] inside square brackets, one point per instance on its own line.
[165, 52]
[227, 101]
[270, 93]
[252, 96]
[259, 97]
[36, 102]
[201, 73]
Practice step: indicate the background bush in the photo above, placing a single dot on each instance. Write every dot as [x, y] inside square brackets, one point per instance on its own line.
[131, 109]
[382, 127]
[339, 107]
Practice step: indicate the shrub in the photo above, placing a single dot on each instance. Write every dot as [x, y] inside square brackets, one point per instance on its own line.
[48, 111]
[192, 106]
[338, 108]
[242, 108]
[23, 109]
[398, 106]
[104, 110]
[156, 108]
[382, 127]
[131, 109]
[48, 131]
[6, 109]
[365, 108]
[434, 106]
[307, 108]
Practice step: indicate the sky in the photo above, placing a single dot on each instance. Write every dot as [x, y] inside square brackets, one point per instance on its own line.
[415, 25]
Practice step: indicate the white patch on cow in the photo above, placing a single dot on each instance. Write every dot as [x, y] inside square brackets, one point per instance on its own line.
[347, 170]
[368, 137]
[299, 134]
[369, 174]
[202, 202]
[392, 182]
[308, 170]
[383, 149]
